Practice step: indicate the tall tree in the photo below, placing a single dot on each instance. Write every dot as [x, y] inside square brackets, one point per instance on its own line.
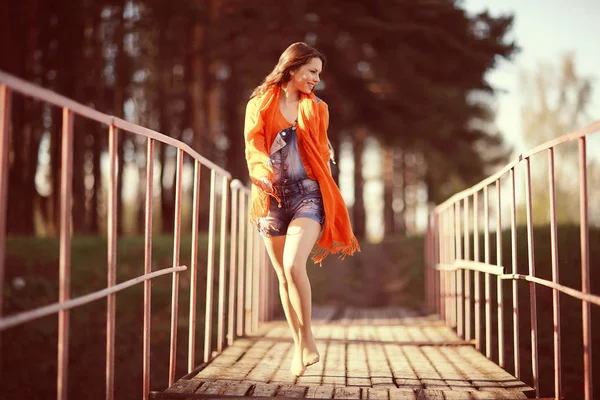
[358, 209]
[403, 71]
[556, 101]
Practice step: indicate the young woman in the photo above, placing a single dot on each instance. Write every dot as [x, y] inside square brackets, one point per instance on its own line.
[294, 197]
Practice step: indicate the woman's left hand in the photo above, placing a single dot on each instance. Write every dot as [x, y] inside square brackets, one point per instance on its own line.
[265, 184]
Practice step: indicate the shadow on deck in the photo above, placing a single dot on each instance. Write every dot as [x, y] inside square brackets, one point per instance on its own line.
[389, 353]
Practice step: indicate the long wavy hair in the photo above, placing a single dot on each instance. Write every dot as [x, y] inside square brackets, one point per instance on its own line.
[295, 56]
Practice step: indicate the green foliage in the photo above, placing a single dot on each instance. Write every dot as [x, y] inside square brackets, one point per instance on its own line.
[556, 102]
[385, 274]
[32, 280]
[411, 73]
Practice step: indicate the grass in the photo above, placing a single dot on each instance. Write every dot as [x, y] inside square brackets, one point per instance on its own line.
[29, 351]
[389, 273]
[569, 262]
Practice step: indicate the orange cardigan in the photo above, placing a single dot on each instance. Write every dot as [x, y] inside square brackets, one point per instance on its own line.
[313, 120]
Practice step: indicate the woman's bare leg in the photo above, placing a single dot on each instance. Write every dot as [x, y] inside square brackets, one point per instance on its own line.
[275, 246]
[301, 236]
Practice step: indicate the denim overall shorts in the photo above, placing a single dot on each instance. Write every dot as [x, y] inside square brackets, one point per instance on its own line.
[300, 196]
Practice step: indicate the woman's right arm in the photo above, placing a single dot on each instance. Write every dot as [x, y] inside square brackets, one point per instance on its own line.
[256, 150]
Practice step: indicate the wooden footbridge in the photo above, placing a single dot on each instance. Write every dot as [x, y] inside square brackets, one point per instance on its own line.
[449, 352]
[390, 353]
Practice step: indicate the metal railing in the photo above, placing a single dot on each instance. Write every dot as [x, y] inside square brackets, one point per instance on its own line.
[455, 266]
[246, 277]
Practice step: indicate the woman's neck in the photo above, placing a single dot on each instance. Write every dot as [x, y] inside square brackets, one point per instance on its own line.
[289, 94]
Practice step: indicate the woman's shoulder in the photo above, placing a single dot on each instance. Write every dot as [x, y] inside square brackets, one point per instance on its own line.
[320, 101]
[253, 101]
[253, 105]
[321, 104]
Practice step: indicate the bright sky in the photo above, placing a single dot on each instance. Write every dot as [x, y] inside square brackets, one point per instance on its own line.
[544, 31]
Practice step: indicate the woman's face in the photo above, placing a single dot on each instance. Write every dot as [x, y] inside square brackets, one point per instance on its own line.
[306, 77]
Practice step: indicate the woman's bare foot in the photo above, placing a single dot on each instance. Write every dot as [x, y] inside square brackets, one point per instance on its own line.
[297, 368]
[310, 353]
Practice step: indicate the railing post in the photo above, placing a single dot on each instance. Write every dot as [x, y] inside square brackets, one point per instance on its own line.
[499, 288]
[233, 248]
[111, 261]
[210, 267]
[515, 293]
[486, 256]
[555, 278]
[467, 256]
[275, 294]
[532, 287]
[256, 279]
[194, 268]
[427, 256]
[222, 271]
[175, 278]
[148, 266]
[430, 262]
[243, 228]
[453, 274]
[437, 288]
[448, 234]
[5, 113]
[442, 259]
[66, 188]
[248, 277]
[585, 271]
[476, 282]
[459, 272]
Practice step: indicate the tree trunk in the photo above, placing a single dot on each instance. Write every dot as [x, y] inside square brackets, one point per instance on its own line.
[26, 123]
[81, 127]
[53, 203]
[95, 132]
[167, 198]
[79, 150]
[97, 190]
[141, 198]
[410, 178]
[21, 192]
[400, 167]
[335, 168]
[358, 211]
[234, 127]
[196, 78]
[7, 43]
[388, 190]
[210, 87]
[120, 72]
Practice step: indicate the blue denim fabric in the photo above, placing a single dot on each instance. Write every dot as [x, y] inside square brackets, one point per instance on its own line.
[286, 161]
[300, 196]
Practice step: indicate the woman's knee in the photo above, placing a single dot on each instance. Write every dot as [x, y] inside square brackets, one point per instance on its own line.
[281, 275]
[283, 281]
[292, 269]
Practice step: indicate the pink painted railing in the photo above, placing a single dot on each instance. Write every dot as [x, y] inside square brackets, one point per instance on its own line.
[243, 275]
[453, 260]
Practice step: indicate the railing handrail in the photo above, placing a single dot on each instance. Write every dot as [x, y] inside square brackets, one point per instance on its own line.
[449, 276]
[249, 266]
[499, 272]
[36, 313]
[576, 134]
[578, 294]
[31, 90]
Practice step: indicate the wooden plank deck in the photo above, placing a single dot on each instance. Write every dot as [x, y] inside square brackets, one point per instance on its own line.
[390, 353]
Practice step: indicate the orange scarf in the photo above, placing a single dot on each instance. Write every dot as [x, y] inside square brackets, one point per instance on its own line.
[313, 121]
